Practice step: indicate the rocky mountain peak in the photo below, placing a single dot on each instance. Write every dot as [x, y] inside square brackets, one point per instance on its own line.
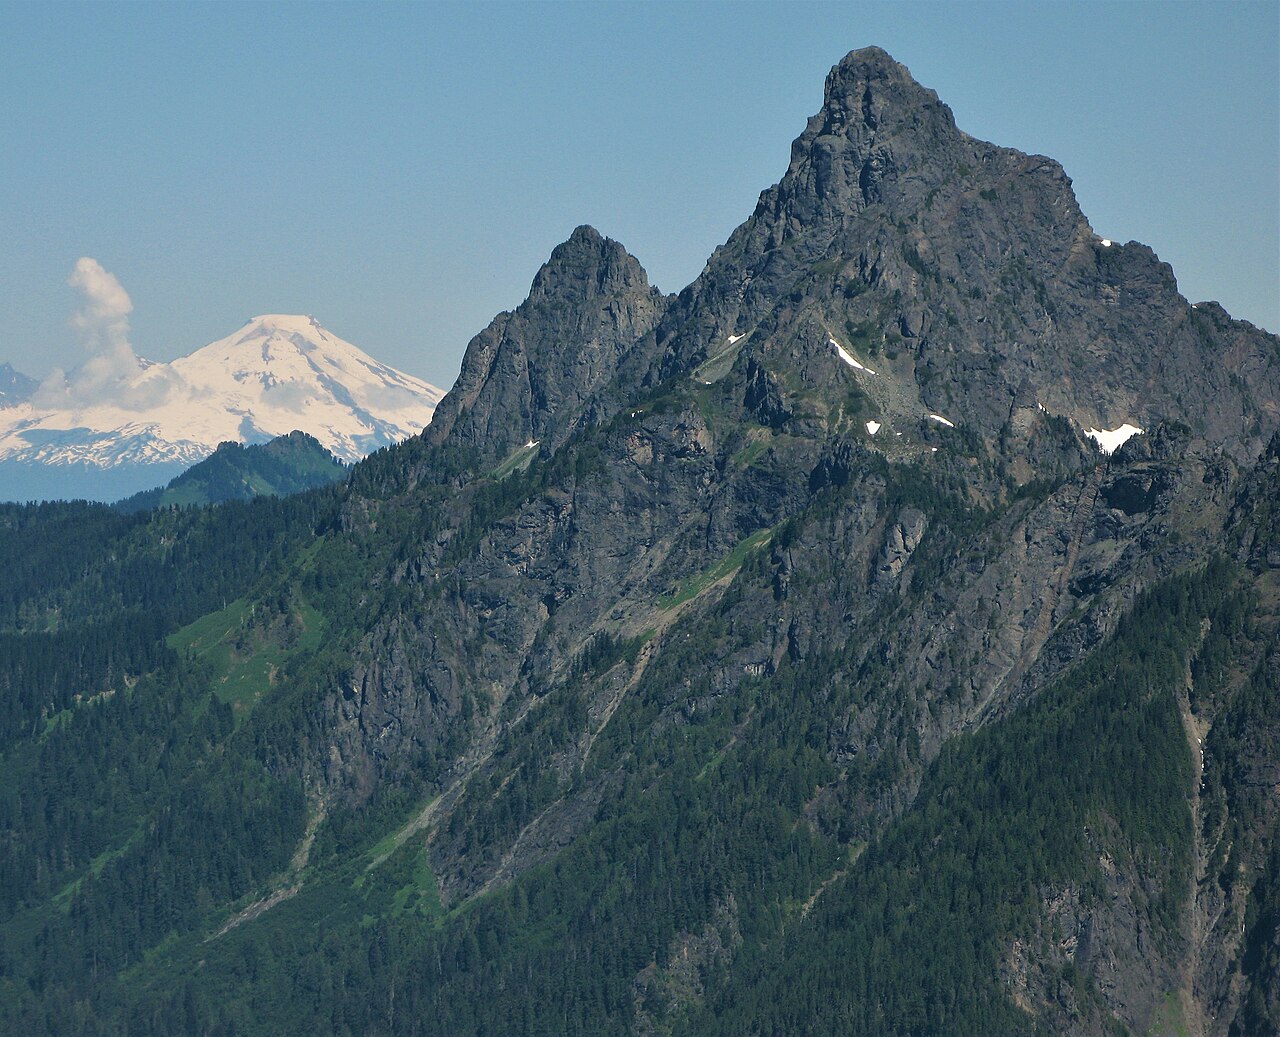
[869, 92]
[880, 150]
[585, 266]
[929, 272]
[527, 376]
[876, 123]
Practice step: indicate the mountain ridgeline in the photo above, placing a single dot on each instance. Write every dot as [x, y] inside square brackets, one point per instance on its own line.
[285, 465]
[785, 656]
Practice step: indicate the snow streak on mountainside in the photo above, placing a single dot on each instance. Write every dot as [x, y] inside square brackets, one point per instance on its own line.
[276, 374]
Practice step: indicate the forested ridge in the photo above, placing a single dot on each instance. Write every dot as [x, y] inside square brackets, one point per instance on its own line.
[287, 464]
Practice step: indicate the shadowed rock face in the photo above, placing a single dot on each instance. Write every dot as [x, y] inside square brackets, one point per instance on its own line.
[880, 138]
[963, 274]
[527, 377]
[966, 278]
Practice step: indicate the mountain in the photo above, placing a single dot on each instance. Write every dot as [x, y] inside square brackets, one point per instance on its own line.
[276, 374]
[881, 636]
[14, 386]
[528, 376]
[285, 465]
[966, 277]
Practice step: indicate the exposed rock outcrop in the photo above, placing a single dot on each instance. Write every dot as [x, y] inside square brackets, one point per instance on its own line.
[529, 376]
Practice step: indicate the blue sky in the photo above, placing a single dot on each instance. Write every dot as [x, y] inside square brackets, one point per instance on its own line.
[401, 170]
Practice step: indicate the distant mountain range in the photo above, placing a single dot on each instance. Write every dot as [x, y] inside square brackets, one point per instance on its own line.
[14, 386]
[277, 374]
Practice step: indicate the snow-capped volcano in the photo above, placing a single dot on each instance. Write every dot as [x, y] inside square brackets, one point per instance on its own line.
[276, 374]
[279, 373]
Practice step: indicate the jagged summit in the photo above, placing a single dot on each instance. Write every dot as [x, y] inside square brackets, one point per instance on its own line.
[898, 259]
[585, 266]
[869, 93]
[877, 126]
[526, 378]
[965, 275]
[868, 71]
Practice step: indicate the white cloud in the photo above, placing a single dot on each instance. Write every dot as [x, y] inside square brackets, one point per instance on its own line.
[107, 304]
[112, 374]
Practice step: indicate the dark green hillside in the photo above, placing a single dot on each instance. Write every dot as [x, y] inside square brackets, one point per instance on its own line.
[791, 931]
[288, 464]
[1010, 824]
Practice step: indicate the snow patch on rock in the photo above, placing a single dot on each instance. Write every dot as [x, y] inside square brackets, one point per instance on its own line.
[1110, 440]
